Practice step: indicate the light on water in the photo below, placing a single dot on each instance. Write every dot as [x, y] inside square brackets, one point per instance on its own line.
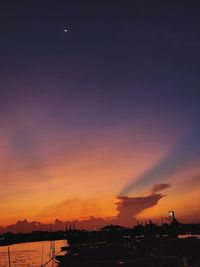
[189, 235]
[28, 254]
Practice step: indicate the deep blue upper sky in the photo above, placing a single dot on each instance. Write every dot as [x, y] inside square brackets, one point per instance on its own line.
[118, 61]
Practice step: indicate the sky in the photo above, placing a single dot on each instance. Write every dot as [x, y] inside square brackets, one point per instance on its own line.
[106, 110]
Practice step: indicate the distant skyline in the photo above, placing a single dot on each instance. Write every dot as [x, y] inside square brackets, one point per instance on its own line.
[108, 109]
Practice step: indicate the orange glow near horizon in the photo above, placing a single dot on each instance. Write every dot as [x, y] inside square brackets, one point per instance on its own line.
[85, 181]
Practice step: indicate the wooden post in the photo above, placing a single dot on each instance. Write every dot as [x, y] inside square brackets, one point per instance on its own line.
[9, 261]
[42, 256]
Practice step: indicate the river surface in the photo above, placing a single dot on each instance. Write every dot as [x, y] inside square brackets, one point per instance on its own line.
[29, 254]
[189, 235]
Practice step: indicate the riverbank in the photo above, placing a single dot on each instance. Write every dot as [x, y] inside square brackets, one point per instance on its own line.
[37, 236]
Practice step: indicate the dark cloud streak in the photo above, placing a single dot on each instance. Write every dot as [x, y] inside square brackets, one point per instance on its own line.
[159, 187]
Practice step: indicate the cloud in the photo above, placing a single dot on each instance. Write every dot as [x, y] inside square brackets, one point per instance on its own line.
[76, 208]
[130, 207]
[127, 207]
[127, 210]
[159, 187]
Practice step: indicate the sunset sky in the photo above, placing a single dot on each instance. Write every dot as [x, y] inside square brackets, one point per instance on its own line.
[109, 108]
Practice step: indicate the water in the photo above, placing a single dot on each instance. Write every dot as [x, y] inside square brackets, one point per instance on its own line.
[28, 254]
[188, 235]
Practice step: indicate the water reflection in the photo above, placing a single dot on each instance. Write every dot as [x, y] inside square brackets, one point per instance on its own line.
[188, 235]
[28, 254]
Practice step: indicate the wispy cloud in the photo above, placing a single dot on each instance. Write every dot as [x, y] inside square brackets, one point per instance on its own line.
[159, 187]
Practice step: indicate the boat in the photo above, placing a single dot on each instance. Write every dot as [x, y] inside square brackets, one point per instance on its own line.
[110, 255]
[111, 251]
